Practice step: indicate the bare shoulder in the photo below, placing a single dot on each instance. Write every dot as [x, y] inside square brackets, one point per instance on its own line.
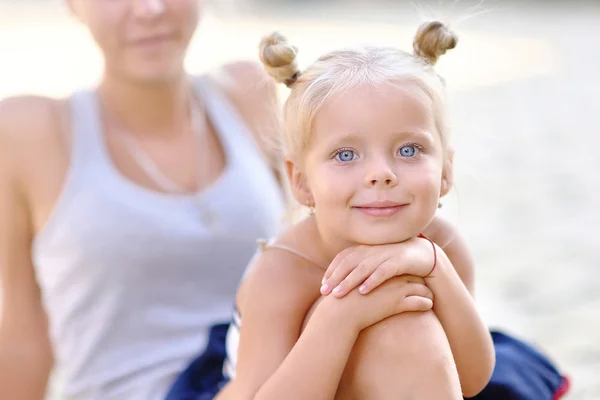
[441, 231]
[447, 236]
[27, 121]
[28, 111]
[246, 82]
[279, 273]
[254, 94]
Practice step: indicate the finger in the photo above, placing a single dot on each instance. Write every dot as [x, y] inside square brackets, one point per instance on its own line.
[336, 262]
[403, 288]
[417, 289]
[410, 279]
[345, 266]
[415, 303]
[358, 275]
[384, 272]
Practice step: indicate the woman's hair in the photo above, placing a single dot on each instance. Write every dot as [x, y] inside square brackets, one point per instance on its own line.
[342, 70]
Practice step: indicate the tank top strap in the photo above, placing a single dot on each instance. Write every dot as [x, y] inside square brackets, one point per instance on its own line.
[229, 125]
[265, 245]
[87, 144]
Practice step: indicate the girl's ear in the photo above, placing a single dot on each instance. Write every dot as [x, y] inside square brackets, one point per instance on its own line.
[447, 173]
[298, 184]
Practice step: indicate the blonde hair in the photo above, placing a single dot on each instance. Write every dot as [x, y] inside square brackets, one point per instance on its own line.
[342, 70]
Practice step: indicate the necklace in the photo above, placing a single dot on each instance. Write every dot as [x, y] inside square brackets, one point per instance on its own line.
[145, 162]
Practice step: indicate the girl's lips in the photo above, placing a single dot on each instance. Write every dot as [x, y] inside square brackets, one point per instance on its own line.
[381, 211]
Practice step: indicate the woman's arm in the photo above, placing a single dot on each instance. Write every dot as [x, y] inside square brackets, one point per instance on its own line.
[25, 352]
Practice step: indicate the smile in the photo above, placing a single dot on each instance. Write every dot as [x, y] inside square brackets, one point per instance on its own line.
[384, 209]
[152, 41]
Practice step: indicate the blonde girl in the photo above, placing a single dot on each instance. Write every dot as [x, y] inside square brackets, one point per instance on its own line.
[355, 301]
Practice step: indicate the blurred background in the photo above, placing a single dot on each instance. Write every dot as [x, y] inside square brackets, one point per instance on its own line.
[524, 87]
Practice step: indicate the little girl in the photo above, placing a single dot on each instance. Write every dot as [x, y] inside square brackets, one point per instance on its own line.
[368, 153]
[370, 296]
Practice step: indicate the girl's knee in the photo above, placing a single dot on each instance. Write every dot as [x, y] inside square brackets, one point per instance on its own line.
[402, 354]
[407, 332]
[410, 341]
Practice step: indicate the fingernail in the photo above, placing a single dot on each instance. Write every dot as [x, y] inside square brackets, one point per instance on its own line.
[362, 289]
[324, 289]
[323, 280]
[337, 290]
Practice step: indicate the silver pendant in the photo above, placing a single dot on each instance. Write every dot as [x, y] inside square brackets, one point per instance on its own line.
[207, 214]
[208, 217]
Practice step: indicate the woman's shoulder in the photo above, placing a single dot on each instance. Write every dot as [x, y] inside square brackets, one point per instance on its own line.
[254, 95]
[244, 81]
[29, 122]
[249, 88]
[29, 119]
[28, 108]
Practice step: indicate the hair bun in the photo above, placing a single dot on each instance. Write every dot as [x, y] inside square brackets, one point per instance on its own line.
[279, 58]
[432, 40]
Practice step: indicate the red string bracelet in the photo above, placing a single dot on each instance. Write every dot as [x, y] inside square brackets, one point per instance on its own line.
[434, 253]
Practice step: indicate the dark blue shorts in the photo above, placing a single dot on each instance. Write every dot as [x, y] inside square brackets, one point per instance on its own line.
[521, 372]
[203, 378]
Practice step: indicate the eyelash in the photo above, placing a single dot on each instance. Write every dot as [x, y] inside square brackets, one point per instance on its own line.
[420, 149]
[340, 151]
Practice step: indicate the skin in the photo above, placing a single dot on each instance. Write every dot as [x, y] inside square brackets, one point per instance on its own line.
[144, 90]
[370, 144]
[356, 162]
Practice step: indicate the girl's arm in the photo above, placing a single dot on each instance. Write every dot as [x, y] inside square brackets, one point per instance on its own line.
[275, 361]
[445, 235]
[452, 285]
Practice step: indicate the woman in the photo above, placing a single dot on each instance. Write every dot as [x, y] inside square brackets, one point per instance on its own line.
[119, 203]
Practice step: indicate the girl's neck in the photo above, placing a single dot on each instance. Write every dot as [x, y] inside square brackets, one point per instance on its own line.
[159, 109]
[329, 246]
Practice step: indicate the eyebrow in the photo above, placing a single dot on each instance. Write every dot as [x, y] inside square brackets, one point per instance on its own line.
[416, 134]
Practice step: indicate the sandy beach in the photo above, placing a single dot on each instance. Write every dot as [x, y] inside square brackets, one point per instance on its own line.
[525, 93]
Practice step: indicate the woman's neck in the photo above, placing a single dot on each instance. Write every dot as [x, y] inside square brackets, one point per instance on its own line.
[146, 109]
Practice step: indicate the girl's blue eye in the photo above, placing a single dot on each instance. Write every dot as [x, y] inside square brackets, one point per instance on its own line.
[407, 151]
[345, 155]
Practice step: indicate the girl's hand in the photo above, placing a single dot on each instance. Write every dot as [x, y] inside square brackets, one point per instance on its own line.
[400, 294]
[370, 266]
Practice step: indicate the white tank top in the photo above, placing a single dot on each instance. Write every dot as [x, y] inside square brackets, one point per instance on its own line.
[133, 279]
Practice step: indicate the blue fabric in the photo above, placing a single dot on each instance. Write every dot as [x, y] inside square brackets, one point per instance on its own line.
[521, 372]
[203, 378]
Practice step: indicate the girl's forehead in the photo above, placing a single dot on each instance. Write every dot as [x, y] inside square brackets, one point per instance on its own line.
[377, 106]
